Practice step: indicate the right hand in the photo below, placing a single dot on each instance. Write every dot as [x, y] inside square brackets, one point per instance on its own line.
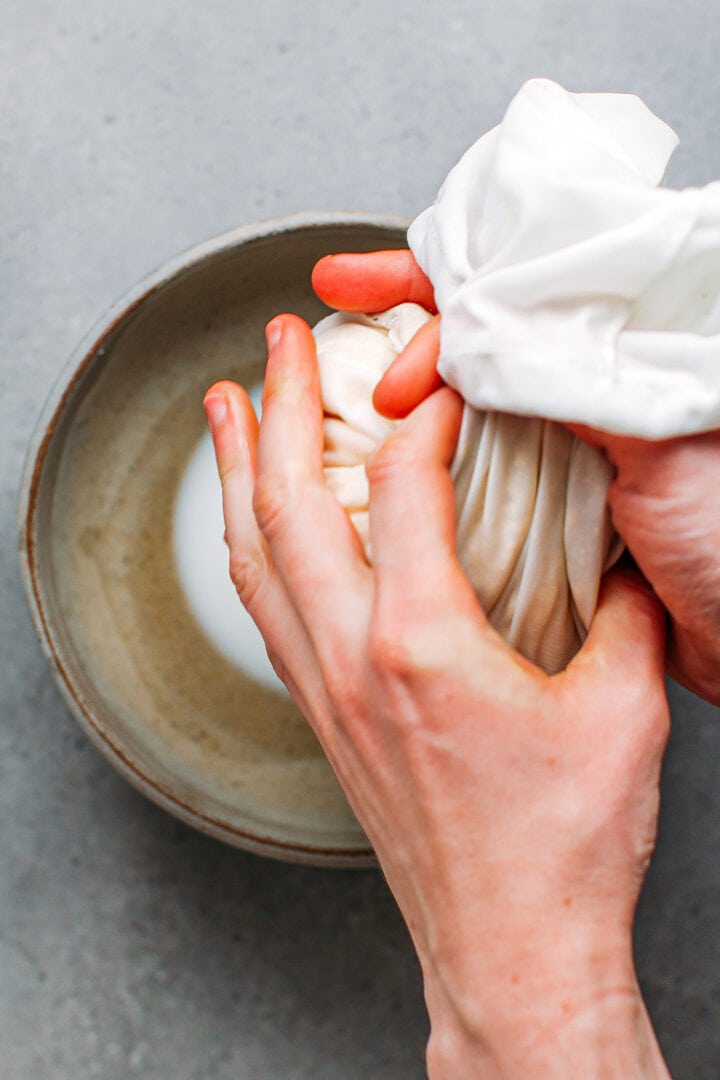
[665, 498]
[513, 813]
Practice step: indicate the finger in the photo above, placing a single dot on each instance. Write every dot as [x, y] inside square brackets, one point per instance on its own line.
[312, 543]
[234, 430]
[617, 447]
[413, 376]
[626, 640]
[412, 512]
[592, 436]
[234, 427]
[372, 281]
[622, 664]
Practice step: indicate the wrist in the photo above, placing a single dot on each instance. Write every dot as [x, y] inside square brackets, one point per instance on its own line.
[694, 662]
[553, 1009]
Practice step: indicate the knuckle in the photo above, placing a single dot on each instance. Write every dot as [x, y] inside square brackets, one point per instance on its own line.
[227, 468]
[390, 461]
[425, 649]
[279, 667]
[346, 694]
[248, 572]
[274, 499]
[338, 660]
[391, 653]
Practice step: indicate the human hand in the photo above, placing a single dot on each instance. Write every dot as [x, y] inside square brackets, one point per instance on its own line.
[512, 813]
[665, 499]
[665, 503]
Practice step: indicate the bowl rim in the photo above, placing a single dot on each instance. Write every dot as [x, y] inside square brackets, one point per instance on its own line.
[90, 347]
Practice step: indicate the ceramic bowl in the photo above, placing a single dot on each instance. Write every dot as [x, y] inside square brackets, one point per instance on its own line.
[214, 747]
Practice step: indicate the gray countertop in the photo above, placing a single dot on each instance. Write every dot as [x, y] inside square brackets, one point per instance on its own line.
[130, 945]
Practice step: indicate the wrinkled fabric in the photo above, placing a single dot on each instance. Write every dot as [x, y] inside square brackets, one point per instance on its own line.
[571, 286]
[533, 530]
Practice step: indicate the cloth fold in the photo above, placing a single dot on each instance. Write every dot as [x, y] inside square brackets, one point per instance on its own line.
[533, 529]
[571, 286]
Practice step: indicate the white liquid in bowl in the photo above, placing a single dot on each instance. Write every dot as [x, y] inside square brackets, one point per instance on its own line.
[201, 556]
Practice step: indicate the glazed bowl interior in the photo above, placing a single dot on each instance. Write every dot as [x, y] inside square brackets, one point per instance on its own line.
[210, 744]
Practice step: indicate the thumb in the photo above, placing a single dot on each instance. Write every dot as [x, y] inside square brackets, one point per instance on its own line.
[626, 640]
[620, 449]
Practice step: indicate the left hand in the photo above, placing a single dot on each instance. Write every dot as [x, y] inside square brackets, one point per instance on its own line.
[375, 281]
[664, 500]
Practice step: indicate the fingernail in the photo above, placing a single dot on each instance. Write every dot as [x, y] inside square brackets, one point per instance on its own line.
[273, 333]
[216, 409]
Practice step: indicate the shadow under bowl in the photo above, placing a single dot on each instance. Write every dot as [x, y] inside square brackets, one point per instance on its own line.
[217, 749]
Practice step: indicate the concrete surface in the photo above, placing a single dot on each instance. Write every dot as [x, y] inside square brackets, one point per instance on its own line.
[131, 946]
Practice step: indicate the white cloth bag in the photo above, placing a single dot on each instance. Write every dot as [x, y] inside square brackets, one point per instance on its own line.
[571, 288]
[533, 530]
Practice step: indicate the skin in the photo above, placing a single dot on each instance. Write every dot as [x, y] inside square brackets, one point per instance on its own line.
[656, 483]
[513, 813]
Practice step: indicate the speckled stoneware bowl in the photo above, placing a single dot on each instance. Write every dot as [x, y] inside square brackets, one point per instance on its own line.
[215, 748]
